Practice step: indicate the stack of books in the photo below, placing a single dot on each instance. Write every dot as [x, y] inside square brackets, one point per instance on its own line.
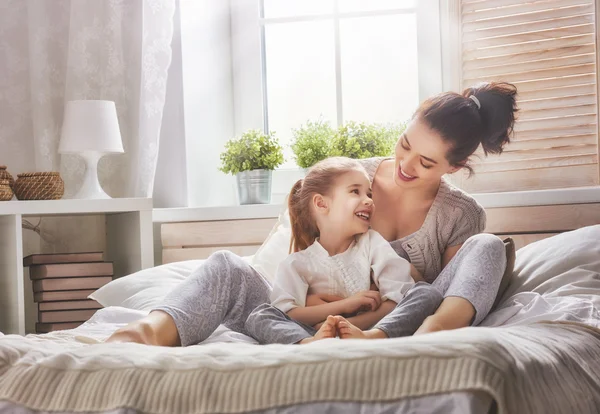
[61, 285]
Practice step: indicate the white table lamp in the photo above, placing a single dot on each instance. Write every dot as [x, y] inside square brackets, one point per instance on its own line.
[91, 130]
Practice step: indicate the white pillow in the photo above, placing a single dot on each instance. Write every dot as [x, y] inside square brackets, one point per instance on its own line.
[145, 289]
[275, 248]
[567, 264]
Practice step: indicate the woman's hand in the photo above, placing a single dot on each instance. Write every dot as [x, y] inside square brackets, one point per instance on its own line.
[321, 299]
[368, 300]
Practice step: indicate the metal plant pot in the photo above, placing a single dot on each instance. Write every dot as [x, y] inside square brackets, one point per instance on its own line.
[254, 187]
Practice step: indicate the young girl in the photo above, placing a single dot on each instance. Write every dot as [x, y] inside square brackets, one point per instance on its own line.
[335, 253]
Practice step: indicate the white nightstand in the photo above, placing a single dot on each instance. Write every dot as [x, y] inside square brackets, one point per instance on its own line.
[129, 244]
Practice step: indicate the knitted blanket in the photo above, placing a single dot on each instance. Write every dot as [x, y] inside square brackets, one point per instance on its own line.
[538, 368]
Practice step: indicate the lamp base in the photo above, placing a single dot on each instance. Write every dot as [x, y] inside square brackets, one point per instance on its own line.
[90, 188]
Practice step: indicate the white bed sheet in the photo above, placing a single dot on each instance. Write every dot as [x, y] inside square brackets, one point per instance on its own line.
[522, 308]
[529, 307]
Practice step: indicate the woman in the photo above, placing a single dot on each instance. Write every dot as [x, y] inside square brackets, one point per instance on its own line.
[427, 220]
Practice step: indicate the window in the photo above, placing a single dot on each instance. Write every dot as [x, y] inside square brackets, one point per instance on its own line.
[338, 60]
[548, 50]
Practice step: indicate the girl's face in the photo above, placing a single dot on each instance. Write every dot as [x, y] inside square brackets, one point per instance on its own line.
[421, 157]
[350, 204]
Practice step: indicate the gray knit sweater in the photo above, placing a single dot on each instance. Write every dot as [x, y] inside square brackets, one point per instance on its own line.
[453, 217]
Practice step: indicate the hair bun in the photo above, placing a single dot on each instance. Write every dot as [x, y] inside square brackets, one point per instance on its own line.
[498, 107]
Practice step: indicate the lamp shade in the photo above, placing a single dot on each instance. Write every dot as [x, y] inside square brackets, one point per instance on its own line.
[90, 126]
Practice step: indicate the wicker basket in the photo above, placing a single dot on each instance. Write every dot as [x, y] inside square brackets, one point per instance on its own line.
[5, 175]
[39, 186]
[6, 192]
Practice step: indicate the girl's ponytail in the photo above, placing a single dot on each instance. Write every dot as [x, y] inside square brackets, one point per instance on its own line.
[295, 216]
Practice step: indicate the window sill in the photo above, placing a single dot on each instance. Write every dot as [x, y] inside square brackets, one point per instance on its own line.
[216, 213]
[578, 195]
[575, 195]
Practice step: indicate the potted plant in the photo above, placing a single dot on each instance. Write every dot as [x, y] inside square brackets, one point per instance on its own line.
[312, 143]
[252, 159]
[362, 140]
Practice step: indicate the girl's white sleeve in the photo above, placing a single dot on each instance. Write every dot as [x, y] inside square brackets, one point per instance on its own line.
[290, 287]
[391, 273]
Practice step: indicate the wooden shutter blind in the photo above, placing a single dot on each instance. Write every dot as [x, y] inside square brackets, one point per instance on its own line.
[547, 48]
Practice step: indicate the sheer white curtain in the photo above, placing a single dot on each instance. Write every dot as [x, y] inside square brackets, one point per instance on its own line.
[52, 51]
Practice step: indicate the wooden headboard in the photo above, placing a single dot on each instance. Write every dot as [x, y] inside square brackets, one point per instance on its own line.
[198, 239]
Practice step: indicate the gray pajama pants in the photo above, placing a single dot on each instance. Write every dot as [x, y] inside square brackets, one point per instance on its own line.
[268, 325]
[225, 290]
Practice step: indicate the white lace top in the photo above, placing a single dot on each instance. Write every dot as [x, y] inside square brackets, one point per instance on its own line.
[313, 271]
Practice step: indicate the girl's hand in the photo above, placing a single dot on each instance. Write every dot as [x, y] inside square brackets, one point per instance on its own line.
[321, 299]
[368, 300]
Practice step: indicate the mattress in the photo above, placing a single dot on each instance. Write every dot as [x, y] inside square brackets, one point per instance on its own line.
[538, 367]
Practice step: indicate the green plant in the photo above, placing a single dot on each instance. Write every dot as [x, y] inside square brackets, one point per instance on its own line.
[392, 133]
[312, 142]
[254, 150]
[362, 140]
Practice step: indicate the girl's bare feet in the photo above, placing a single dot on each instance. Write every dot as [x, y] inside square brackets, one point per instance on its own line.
[347, 330]
[327, 330]
[158, 328]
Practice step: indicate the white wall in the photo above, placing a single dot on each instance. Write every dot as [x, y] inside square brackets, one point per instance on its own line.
[170, 182]
[429, 48]
[208, 99]
[247, 65]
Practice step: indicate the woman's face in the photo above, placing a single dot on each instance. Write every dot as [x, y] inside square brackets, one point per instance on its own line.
[421, 157]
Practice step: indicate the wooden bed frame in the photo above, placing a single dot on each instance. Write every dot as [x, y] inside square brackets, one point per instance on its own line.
[198, 239]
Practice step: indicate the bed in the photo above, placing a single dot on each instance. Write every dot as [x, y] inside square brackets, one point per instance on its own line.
[537, 352]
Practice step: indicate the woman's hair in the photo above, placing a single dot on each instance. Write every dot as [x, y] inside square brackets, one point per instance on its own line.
[320, 179]
[484, 114]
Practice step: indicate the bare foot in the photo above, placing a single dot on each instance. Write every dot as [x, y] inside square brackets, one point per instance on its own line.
[347, 330]
[327, 330]
[158, 328]
[130, 334]
[430, 324]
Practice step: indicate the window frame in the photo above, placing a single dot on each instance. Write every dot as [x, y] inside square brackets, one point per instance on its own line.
[248, 40]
